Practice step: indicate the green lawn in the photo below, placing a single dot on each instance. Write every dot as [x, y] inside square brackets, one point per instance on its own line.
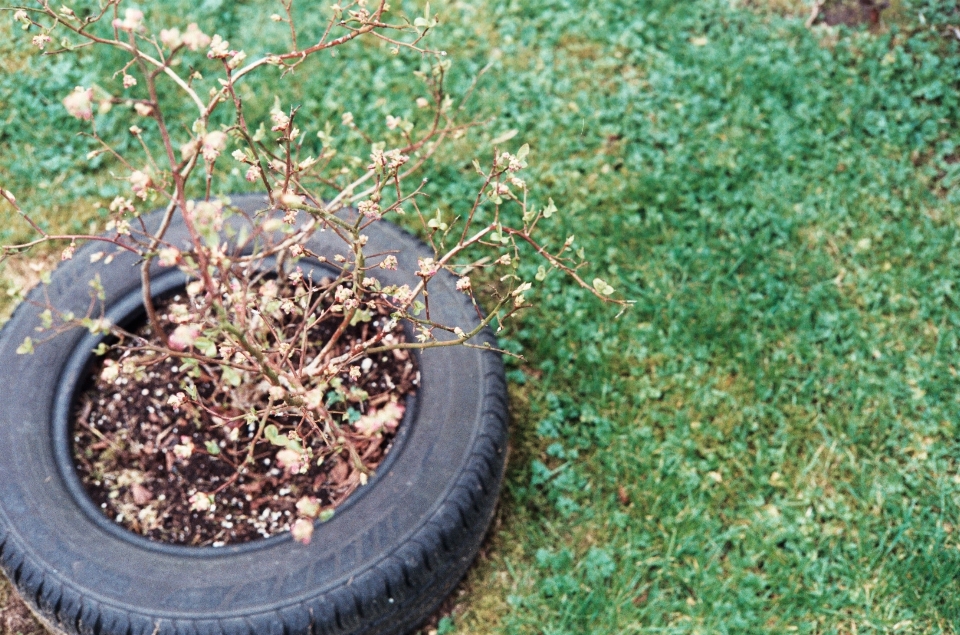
[768, 441]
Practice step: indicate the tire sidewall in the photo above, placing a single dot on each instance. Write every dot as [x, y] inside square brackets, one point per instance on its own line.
[376, 564]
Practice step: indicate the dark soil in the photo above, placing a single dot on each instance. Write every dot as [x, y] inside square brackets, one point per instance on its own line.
[853, 12]
[125, 432]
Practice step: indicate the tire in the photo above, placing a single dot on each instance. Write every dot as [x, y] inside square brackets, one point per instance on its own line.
[381, 565]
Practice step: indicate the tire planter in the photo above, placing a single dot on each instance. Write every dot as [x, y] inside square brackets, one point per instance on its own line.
[381, 565]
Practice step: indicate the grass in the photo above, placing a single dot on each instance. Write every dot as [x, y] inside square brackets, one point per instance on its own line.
[768, 442]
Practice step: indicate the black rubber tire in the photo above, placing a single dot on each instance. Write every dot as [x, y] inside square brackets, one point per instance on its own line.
[380, 566]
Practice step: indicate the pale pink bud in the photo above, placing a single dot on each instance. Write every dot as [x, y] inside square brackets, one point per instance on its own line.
[236, 60]
[213, 144]
[139, 182]
[168, 256]
[200, 502]
[110, 372]
[393, 122]
[387, 417]
[302, 531]
[290, 460]
[189, 149]
[132, 19]
[289, 199]
[219, 48]
[427, 267]
[176, 400]
[253, 173]
[308, 506]
[369, 208]
[170, 38]
[184, 336]
[184, 449]
[79, 103]
[129, 81]
[41, 40]
[389, 262]
[194, 38]
[122, 205]
[280, 120]
[463, 284]
[67, 253]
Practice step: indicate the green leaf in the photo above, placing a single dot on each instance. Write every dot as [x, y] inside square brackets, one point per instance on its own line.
[97, 287]
[189, 387]
[550, 209]
[274, 437]
[231, 376]
[361, 315]
[325, 515]
[212, 447]
[602, 287]
[26, 348]
[523, 151]
[205, 346]
[503, 138]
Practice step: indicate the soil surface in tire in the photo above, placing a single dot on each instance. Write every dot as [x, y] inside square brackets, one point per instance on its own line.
[145, 461]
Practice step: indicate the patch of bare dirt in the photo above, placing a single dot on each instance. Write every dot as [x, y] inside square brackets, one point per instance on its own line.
[852, 12]
[15, 617]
